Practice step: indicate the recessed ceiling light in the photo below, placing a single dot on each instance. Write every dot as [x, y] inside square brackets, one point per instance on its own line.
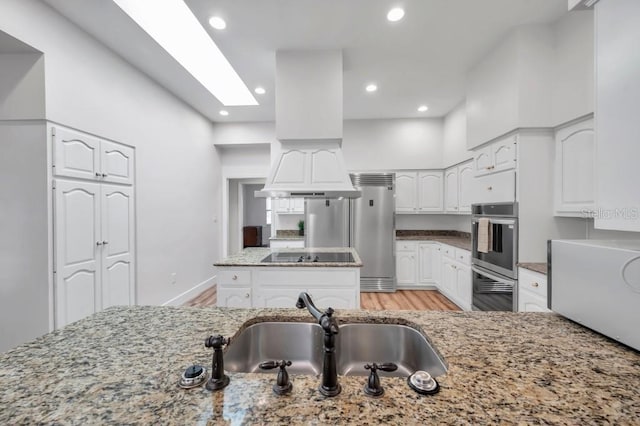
[260, 90]
[371, 87]
[217, 23]
[423, 108]
[224, 113]
[395, 14]
[175, 28]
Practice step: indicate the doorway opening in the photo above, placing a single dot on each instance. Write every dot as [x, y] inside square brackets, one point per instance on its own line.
[249, 216]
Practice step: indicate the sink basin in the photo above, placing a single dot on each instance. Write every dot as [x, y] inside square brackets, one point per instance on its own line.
[356, 345]
[300, 343]
[359, 344]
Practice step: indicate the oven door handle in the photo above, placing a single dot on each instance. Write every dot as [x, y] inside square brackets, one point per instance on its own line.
[493, 277]
[499, 221]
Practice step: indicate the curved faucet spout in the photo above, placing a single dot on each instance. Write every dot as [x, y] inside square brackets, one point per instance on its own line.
[304, 301]
[329, 385]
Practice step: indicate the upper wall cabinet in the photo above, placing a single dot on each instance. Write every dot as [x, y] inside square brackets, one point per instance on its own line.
[419, 192]
[496, 157]
[575, 169]
[511, 87]
[82, 156]
[617, 111]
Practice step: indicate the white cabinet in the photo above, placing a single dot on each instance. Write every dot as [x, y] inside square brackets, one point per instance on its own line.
[496, 157]
[575, 169]
[427, 262]
[94, 237]
[465, 187]
[293, 243]
[495, 188]
[406, 266]
[289, 205]
[406, 194]
[617, 110]
[532, 291]
[234, 297]
[419, 192]
[451, 190]
[456, 276]
[79, 155]
[458, 184]
[279, 287]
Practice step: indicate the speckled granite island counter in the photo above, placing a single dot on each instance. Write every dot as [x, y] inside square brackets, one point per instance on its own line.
[121, 366]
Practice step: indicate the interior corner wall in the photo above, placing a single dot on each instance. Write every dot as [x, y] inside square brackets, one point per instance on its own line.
[22, 90]
[177, 179]
[573, 72]
[24, 272]
[454, 149]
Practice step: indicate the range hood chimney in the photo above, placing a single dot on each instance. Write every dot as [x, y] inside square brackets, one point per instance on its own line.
[306, 160]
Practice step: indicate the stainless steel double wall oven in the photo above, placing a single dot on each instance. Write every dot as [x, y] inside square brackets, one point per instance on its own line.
[495, 273]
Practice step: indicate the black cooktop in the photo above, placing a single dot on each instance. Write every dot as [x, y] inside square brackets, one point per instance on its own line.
[308, 257]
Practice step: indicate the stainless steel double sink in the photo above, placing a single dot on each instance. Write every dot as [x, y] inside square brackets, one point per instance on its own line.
[356, 345]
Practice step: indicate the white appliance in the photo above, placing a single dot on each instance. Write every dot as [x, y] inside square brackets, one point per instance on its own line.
[597, 284]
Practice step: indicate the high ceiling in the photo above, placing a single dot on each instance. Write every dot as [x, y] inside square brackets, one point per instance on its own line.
[422, 59]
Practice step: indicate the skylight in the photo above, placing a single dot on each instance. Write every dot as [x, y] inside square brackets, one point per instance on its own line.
[174, 27]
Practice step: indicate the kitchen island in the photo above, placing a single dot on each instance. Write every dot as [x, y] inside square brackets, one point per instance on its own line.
[273, 278]
[122, 365]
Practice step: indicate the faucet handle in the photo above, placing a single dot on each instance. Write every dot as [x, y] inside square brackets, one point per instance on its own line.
[216, 342]
[283, 385]
[329, 312]
[373, 387]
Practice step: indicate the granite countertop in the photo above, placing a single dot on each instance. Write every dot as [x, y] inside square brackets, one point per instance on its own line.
[253, 256]
[122, 365]
[539, 267]
[453, 238]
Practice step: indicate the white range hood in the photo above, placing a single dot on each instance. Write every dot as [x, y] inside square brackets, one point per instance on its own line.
[307, 160]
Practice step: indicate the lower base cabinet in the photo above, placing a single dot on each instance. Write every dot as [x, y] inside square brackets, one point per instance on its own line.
[275, 287]
[532, 291]
[429, 264]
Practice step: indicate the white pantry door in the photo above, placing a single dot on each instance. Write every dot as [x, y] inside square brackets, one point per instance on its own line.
[117, 246]
[77, 250]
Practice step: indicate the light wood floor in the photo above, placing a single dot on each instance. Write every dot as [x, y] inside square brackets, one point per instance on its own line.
[416, 300]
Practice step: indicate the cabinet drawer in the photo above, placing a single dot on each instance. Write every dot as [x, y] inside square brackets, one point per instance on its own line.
[406, 245]
[448, 251]
[495, 188]
[533, 282]
[531, 302]
[235, 277]
[463, 256]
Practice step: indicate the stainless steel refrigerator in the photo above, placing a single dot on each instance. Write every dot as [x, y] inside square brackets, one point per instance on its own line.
[366, 224]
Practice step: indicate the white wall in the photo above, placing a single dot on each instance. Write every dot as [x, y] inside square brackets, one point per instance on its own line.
[24, 272]
[573, 72]
[89, 88]
[254, 132]
[434, 221]
[393, 144]
[22, 93]
[454, 149]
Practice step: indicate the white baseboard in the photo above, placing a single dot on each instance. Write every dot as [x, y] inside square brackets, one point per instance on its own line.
[417, 287]
[191, 293]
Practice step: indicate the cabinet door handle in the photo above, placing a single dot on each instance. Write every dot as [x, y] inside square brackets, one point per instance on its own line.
[235, 277]
[98, 175]
[534, 284]
[105, 243]
[247, 295]
[98, 243]
[104, 175]
[489, 188]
